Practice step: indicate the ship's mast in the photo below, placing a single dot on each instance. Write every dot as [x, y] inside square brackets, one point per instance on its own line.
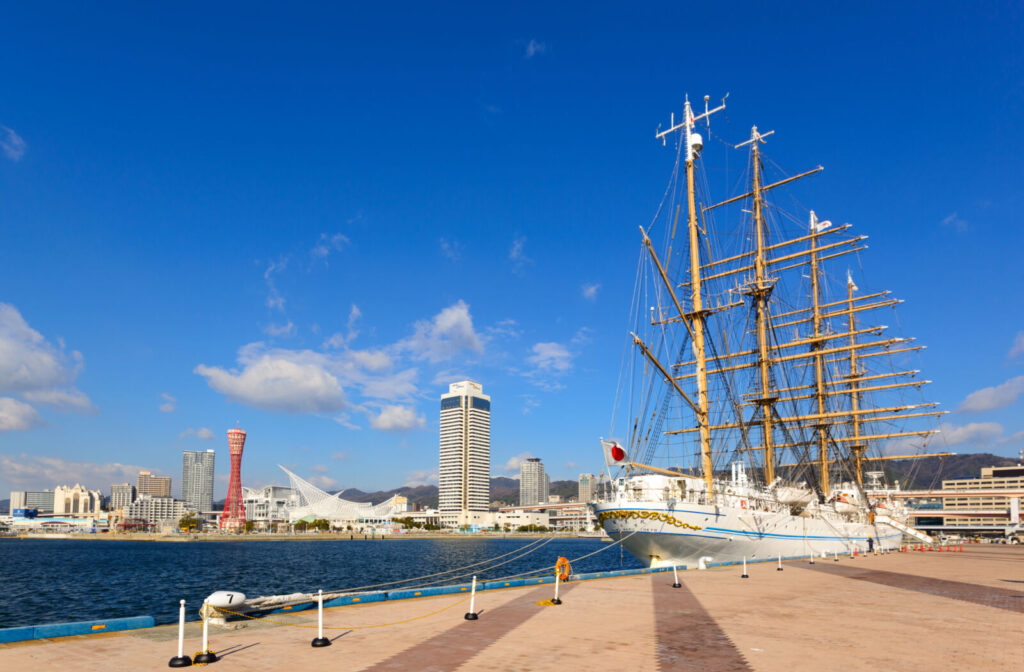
[761, 291]
[857, 448]
[695, 319]
[816, 345]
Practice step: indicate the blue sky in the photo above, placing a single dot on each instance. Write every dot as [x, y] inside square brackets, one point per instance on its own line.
[308, 219]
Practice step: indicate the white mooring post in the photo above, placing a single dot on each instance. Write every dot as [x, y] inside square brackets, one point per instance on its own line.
[780, 564]
[181, 660]
[556, 600]
[835, 556]
[675, 573]
[206, 656]
[471, 614]
[744, 575]
[320, 639]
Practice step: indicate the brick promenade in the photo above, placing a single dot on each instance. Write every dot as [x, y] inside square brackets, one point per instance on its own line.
[915, 611]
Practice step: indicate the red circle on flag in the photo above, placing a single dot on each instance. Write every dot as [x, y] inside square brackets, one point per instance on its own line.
[618, 454]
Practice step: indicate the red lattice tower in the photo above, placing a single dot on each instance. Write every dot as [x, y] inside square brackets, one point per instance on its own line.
[233, 517]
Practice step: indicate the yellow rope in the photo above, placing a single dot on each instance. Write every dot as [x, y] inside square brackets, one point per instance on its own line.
[345, 627]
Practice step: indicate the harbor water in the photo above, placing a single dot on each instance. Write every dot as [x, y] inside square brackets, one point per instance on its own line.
[58, 580]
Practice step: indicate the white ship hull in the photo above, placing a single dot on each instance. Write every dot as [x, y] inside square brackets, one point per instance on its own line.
[659, 536]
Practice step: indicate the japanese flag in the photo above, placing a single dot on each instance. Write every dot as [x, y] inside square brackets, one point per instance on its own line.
[614, 453]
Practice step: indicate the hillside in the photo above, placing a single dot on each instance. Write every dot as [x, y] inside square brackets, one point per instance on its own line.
[504, 490]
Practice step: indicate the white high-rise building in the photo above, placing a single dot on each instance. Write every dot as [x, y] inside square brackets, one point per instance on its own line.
[197, 479]
[588, 488]
[533, 482]
[464, 478]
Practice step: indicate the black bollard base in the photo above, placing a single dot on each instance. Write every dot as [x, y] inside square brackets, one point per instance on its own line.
[471, 616]
[320, 641]
[556, 601]
[778, 569]
[744, 576]
[180, 661]
[205, 658]
[677, 585]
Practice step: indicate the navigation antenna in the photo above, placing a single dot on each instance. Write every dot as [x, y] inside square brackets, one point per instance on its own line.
[694, 143]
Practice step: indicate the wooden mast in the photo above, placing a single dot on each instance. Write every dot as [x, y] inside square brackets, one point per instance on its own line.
[695, 319]
[821, 424]
[761, 291]
[855, 374]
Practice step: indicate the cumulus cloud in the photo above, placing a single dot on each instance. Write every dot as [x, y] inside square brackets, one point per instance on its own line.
[397, 419]
[590, 291]
[323, 482]
[204, 433]
[534, 48]
[420, 477]
[32, 368]
[327, 244]
[32, 472]
[170, 403]
[12, 144]
[288, 381]
[444, 336]
[279, 330]
[1017, 349]
[550, 357]
[512, 465]
[17, 416]
[992, 398]
[974, 434]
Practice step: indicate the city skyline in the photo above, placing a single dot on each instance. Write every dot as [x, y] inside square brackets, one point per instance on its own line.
[313, 238]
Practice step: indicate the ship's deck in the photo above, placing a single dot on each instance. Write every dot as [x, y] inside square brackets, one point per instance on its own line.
[907, 611]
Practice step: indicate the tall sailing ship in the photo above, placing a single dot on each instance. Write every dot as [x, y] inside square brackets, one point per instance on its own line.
[760, 394]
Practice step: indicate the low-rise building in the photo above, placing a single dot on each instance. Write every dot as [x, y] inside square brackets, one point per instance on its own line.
[157, 510]
[269, 504]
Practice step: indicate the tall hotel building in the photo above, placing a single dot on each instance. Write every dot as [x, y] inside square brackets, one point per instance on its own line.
[197, 479]
[154, 486]
[464, 483]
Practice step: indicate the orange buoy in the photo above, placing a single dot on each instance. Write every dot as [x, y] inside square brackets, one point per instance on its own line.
[562, 568]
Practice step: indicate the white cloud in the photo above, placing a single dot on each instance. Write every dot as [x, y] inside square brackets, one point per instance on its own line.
[953, 221]
[341, 455]
[371, 360]
[444, 336]
[274, 298]
[278, 380]
[991, 398]
[505, 329]
[65, 400]
[323, 482]
[517, 254]
[971, 433]
[169, 403]
[12, 144]
[1016, 437]
[204, 433]
[590, 291]
[1017, 348]
[533, 48]
[339, 340]
[447, 376]
[17, 416]
[420, 477]
[397, 419]
[320, 468]
[514, 462]
[35, 370]
[451, 249]
[280, 329]
[401, 385]
[529, 403]
[32, 472]
[327, 244]
[550, 358]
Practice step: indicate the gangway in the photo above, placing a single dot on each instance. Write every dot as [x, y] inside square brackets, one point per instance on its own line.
[905, 529]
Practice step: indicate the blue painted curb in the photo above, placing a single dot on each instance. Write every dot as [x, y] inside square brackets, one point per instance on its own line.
[79, 628]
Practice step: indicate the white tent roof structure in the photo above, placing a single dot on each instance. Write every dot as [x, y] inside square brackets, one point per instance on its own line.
[312, 501]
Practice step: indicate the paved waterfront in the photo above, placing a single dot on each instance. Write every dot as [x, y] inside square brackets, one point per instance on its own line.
[913, 611]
